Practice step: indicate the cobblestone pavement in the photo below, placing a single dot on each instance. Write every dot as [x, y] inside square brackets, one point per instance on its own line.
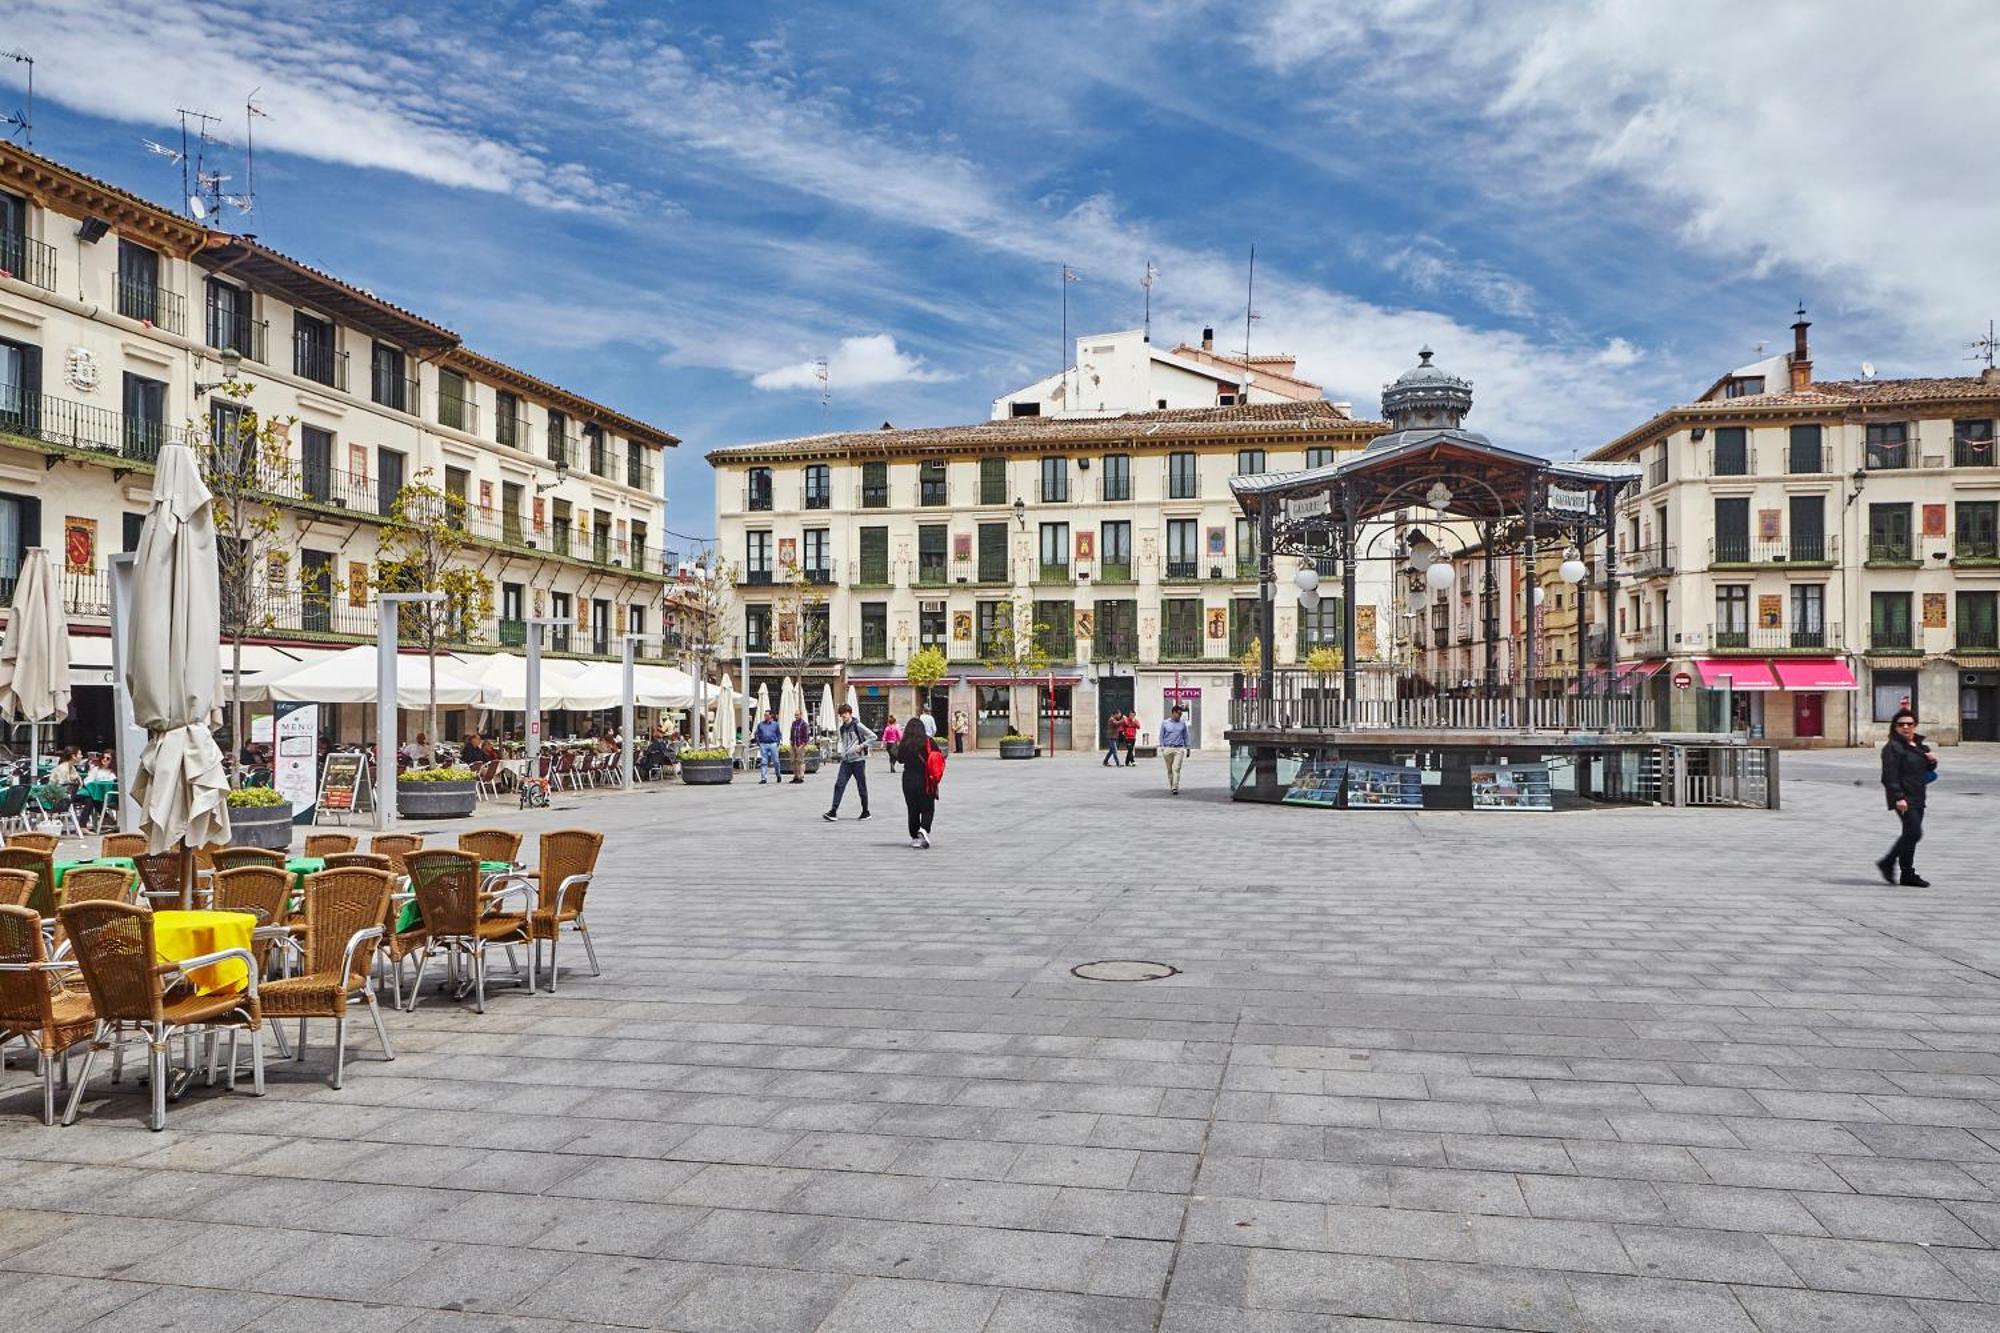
[1612, 1070]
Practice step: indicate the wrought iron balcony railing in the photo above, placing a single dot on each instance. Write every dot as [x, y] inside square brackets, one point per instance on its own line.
[27, 260]
[229, 331]
[150, 303]
[319, 362]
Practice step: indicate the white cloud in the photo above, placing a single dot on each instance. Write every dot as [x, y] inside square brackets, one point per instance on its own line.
[1619, 352]
[858, 363]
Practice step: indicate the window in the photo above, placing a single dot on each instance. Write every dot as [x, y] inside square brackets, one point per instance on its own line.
[1808, 515]
[819, 486]
[1242, 625]
[1732, 451]
[1743, 385]
[389, 466]
[1249, 462]
[19, 255]
[559, 525]
[819, 555]
[1972, 444]
[874, 631]
[558, 440]
[600, 626]
[1809, 615]
[1889, 620]
[1246, 548]
[138, 282]
[1806, 451]
[1318, 456]
[1893, 690]
[560, 609]
[874, 485]
[1055, 551]
[510, 424]
[993, 553]
[1180, 629]
[931, 625]
[1732, 615]
[931, 488]
[316, 464]
[1732, 530]
[510, 512]
[1055, 629]
[931, 553]
[1183, 476]
[1888, 445]
[388, 384]
[635, 619]
[1117, 476]
[989, 625]
[1889, 533]
[20, 387]
[455, 401]
[314, 355]
[593, 450]
[875, 556]
[758, 494]
[145, 416]
[1055, 481]
[1977, 538]
[229, 436]
[135, 524]
[756, 629]
[757, 556]
[1114, 550]
[993, 481]
[316, 590]
[513, 614]
[20, 528]
[229, 325]
[1977, 625]
[456, 479]
[1117, 631]
[1024, 409]
[1183, 548]
[1319, 627]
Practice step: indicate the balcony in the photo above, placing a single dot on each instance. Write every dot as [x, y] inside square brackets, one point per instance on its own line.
[1115, 571]
[1799, 549]
[1183, 648]
[458, 412]
[1968, 451]
[1181, 571]
[1801, 459]
[820, 576]
[931, 572]
[641, 476]
[1115, 645]
[869, 572]
[57, 421]
[1984, 550]
[758, 499]
[1056, 573]
[1772, 639]
[1247, 571]
[597, 456]
[394, 391]
[1053, 492]
[150, 303]
[564, 449]
[1058, 644]
[994, 571]
[1656, 473]
[1891, 638]
[1114, 490]
[819, 497]
[1888, 457]
[871, 497]
[1732, 462]
[933, 494]
[757, 578]
[1644, 642]
[229, 332]
[1893, 551]
[318, 361]
[27, 260]
[511, 429]
[511, 633]
[874, 645]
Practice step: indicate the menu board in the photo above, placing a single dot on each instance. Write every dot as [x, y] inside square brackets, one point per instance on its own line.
[343, 784]
[1318, 782]
[295, 728]
[1511, 787]
[1384, 787]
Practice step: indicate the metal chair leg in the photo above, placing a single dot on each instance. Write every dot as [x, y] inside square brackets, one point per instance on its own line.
[479, 976]
[417, 985]
[300, 1055]
[339, 1050]
[589, 948]
[257, 1059]
[555, 937]
[156, 1060]
[284, 1047]
[381, 1030]
[49, 1091]
[83, 1077]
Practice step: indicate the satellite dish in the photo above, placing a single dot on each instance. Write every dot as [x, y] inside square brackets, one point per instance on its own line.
[197, 207]
[1867, 370]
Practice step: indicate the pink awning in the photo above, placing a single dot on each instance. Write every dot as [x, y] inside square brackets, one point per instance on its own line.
[1818, 673]
[1744, 673]
[1637, 671]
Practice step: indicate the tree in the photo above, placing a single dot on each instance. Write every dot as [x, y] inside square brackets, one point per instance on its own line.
[1019, 647]
[927, 667]
[797, 606]
[699, 606]
[423, 536]
[1252, 660]
[1324, 660]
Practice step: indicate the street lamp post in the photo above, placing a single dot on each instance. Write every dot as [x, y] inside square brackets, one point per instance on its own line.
[388, 608]
[625, 710]
[533, 703]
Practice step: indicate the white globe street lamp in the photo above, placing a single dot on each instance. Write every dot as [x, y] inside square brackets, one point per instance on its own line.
[1440, 577]
[1573, 570]
[1307, 578]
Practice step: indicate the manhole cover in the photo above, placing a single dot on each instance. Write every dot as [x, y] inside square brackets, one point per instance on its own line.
[1123, 969]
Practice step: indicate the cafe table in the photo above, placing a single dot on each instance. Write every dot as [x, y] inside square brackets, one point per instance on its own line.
[64, 867]
[100, 790]
[178, 935]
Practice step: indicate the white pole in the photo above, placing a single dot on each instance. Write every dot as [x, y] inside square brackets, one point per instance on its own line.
[625, 715]
[385, 711]
[531, 720]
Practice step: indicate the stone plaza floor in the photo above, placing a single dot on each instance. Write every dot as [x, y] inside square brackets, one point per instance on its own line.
[1614, 1070]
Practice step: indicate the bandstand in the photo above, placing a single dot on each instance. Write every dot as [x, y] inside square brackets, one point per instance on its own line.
[1509, 736]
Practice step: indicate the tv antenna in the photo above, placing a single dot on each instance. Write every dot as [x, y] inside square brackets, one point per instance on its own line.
[823, 375]
[1249, 316]
[1982, 349]
[1151, 276]
[252, 113]
[202, 190]
[23, 119]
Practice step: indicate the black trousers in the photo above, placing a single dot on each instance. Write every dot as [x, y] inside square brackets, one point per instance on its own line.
[1904, 853]
[857, 771]
[917, 798]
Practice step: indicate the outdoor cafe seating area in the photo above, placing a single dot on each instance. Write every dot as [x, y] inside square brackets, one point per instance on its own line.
[185, 957]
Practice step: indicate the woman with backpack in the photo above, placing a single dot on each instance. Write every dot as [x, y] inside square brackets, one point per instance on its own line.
[923, 767]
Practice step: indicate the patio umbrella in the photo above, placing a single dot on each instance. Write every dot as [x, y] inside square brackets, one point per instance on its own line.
[348, 677]
[763, 697]
[175, 663]
[828, 722]
[725, 715]
[853, 701]
[34, 654]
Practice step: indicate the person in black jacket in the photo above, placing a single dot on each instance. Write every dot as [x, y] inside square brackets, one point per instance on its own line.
[1906, 766]
[913, 752]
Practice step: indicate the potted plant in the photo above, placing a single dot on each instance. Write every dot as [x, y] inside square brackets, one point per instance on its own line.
[259, 817]
[707, 768]
[436, 793]
[812, 756]
[1016, 746]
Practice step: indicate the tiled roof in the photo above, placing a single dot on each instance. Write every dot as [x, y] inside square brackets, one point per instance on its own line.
[1252, 421]
[1824, 397]
[465, 358]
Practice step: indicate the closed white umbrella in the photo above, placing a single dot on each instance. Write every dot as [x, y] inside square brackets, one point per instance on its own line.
[853, 701]
[725, 715]
[828, 721]
[175, 665]
[763, 698]
[34, 653]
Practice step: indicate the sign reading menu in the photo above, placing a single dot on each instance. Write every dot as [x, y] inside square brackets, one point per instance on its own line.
[295, 728]
[1384, 787]
[343, 783]
[1511, 787]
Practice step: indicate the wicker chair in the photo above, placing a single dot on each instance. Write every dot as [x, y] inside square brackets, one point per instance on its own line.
[163, 875]
[237, 858]
[360, 861]
[396, 846]
[122, 844]
[35, 842]
[133, 993]
[345, 910]
[457, 920]
[568, 859]
[17, 887]
[264, 892]
[43, 866]
[327, 844]
[33, 1002]
[97, 884]
[491, 845]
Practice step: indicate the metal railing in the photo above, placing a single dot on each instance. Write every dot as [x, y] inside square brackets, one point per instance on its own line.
[1646, 561]
[1053, 493]
[458, 411]
[820, 497]
[1800, 548]
[511, 429]
[1974, 453]
[1247, 569]
[1303, 700]
[150, 303]
[759, 499]
[1115, 572]
[85, 592]
[993, 571]
[1046, 573]
[871, 497]
[1058, 642]
[1892, 637]
[821, 576]
[1739, 776]
[1647, 641]
[1731, 462]
[226, 331]
[1180, 571]
[1656, 473]
[1115, 490]
[931, 571]
[1901, 552]
[1183, 647]
[1888, 457]
[57, 421]
[318, 361]
[869, 571]
[1976, 548]
[28, 260]
[1801, 459]
[1120, 645]
[563, 448]
[399, 393]
[1770, 638]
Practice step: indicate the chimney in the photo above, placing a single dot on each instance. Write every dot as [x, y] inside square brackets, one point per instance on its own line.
[1990, 375]
[1801, 355]
[1208, 339]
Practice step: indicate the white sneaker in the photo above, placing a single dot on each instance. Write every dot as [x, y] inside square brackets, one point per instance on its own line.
[916, 842]
[923, 837]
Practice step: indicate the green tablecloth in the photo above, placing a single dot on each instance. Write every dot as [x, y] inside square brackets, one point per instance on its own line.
[64, 867]
[101, 790]
[301, 866]
[412, 916]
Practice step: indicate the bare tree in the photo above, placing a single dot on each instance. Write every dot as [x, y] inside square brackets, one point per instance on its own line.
[421, 541]
[1019, 647]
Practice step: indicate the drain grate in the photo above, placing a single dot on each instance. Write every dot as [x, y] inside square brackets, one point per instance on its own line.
[1123, 969]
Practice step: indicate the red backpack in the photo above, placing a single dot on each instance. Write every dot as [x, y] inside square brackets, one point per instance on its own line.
[934, 768]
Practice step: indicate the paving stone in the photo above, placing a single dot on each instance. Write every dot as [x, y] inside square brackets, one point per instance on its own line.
[1653, 1305]
[1869, 1266]
[1702, 1255]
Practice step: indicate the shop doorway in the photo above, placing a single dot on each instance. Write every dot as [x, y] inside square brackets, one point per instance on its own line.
[1809, 716]
[1115, 694]
[1055, 705]
[1979, 706]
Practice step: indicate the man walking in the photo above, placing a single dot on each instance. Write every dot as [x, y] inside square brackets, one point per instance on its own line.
[852, 741]
[766, 738]
[959, 726]
[1907, 765]
[801, 734]
[1174, 748]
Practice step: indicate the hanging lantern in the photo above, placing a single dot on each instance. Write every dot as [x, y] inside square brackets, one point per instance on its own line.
[1422, 557]
[1307, 578]
[1573, 570]
[1538, 597]
[1440, 576]
[1308, 599]
[1416, 599]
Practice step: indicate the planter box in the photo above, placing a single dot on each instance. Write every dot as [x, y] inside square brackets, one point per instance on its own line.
[267, 826]
[436, 800]
[1145, 752]
[812, 763]
[1017, 749]
[707, 772]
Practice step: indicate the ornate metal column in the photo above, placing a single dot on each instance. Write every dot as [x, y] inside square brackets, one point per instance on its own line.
[1607, 499]
[1348, 640]
[1530, 581]
[1267, 609]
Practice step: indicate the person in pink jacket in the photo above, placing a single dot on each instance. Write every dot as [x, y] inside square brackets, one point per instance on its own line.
[890, 735]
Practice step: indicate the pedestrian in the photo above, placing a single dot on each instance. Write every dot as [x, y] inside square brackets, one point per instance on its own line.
[1114, 734]
[892, 740]
[1174, 747]
[1908, 767]
[959, 726]
[1129, 735]
[801, 733]
[852, 740]
[766, 738]
[916, 753]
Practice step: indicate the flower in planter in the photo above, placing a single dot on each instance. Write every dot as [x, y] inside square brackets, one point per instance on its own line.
[254, 797]
[437, 775]
[713, 753]
[1018, 738]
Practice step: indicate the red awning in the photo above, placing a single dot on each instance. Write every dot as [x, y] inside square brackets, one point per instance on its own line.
[1639, 670]
[1744, 673]
[1817, 673]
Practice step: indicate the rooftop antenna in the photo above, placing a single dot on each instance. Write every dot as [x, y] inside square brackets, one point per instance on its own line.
[823, 372]
[1982, 349]
[23, 119]
[1147, 282]
[1249, 314]
[204, 180]
[247, 201]
[1069, 275]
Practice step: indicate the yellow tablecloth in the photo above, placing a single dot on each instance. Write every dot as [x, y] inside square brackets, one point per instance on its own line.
[178, 935]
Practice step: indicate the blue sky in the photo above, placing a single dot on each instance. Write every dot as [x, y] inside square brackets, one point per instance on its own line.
[1589, 209]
